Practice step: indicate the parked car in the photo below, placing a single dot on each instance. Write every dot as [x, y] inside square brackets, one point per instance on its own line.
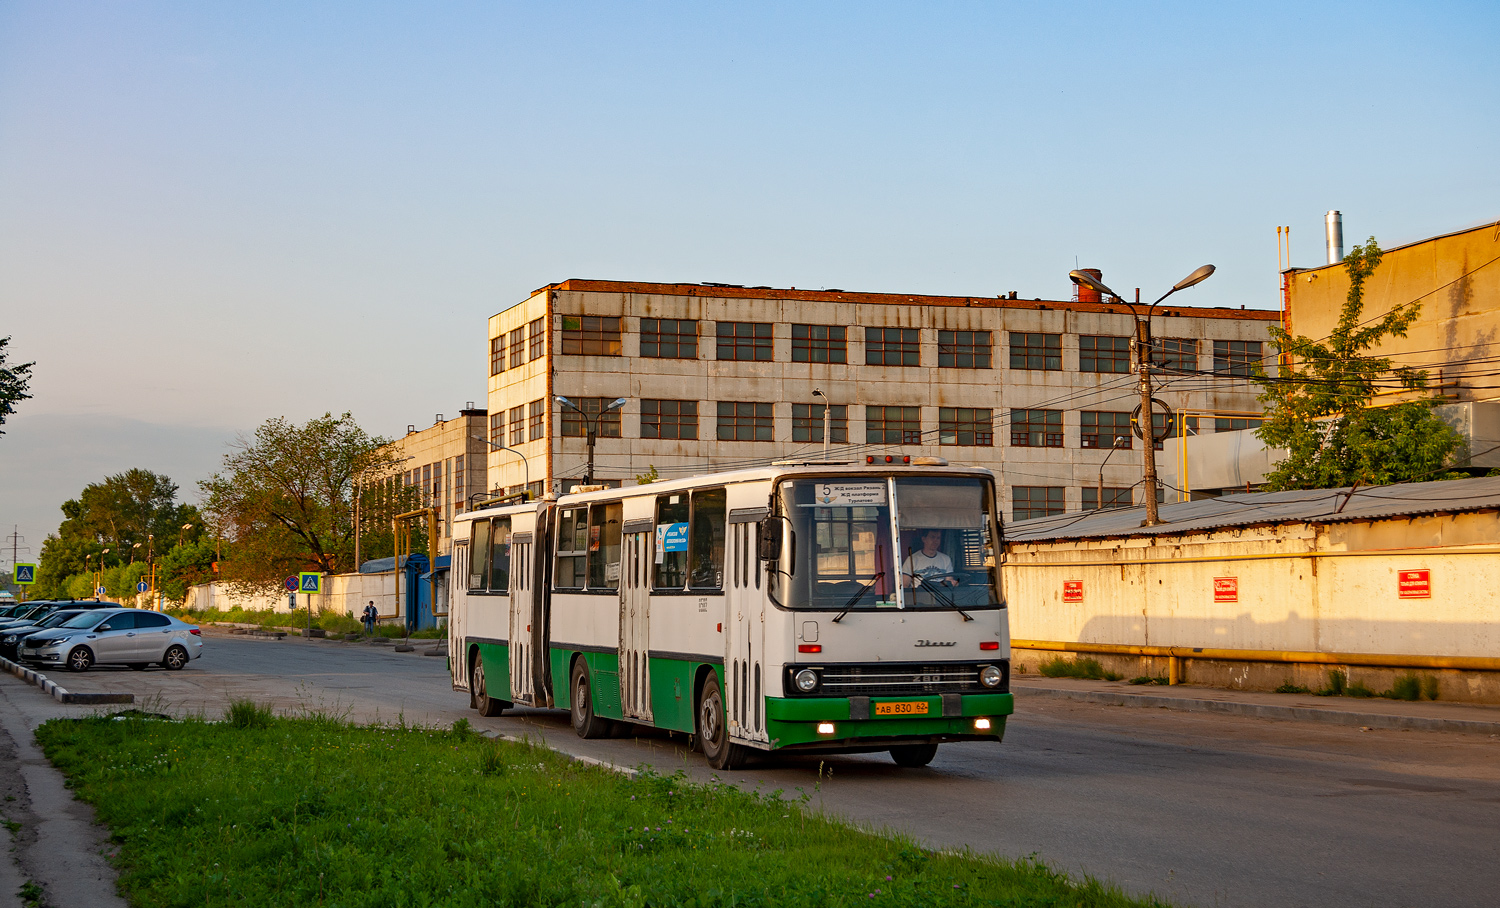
[11, 637]
[115, 636]
[30, 613]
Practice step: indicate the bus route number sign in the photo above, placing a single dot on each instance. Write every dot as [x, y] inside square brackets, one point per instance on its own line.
[849, 494]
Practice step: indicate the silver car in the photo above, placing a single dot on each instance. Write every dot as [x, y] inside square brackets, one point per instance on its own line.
[115, 636]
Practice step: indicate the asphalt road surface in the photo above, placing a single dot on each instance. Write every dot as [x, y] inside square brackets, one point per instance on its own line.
[1201, 809]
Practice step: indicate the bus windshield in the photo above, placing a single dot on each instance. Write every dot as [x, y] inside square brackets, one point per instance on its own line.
[919, 542]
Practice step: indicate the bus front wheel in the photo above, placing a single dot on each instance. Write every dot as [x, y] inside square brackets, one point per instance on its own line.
[713, 729]
[586, 722]
[914, 755]
[488, 706]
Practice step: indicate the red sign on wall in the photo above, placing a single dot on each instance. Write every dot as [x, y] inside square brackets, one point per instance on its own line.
[1226, 589]
[1072, 590]
[1415, 584]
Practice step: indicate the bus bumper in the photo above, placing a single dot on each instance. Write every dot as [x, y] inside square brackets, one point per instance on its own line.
[856, 721]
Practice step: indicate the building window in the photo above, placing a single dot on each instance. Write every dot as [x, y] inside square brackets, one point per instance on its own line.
[538, 425]
[1235, 424]
[744, 341]
[744, 421]
[517, 347]
[807, 422]
[1180, 353]
[1102, 429]
[1035, 501]
[1036, 351]
[517, 425]
[497, 355]
[966, 426]
[497, 428]
[1113, 498]
[820, 344]
[1036, 428]
[591, 335]
[669, 338]
[538, 329]
[669, 419]
[1103, 353]
[893, 425]
[893, 347]
[964, 349]
[1236, 357]
[575, 426]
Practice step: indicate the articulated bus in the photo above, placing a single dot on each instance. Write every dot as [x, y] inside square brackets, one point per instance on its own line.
[805, 608]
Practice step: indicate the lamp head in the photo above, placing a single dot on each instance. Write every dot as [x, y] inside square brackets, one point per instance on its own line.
[618, 403]
[818, 393]
[564, 401]
[1091, 282]
[1196, 277]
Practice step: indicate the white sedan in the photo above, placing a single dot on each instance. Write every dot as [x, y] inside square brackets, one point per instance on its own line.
[115, 636]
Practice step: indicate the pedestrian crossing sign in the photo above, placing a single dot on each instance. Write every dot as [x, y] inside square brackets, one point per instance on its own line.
[310, 582]
[25, 574]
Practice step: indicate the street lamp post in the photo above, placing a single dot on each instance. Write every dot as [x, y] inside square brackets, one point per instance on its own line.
[1121, 441]
[591, 424]
[525, 465]
[1142, 343]
[827, 421]
[182, 532]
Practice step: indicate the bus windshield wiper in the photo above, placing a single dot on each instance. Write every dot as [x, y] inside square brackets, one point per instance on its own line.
[858, 596]
[942, 597]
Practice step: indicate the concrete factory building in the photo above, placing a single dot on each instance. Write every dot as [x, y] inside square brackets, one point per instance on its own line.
[715, 377]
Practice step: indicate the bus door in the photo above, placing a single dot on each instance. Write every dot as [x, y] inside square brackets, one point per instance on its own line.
[458, 610]
[522, 593]
[635, 620]
[745, 627]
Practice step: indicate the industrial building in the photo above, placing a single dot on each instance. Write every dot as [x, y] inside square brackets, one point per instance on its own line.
[714, 377]
[445, 464]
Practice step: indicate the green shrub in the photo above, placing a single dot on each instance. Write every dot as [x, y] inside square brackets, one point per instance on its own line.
[249, 714]
[1147, 679]
[1337, 683]
[1290, 688]
[1358, 689]
[1405, 687]
[1086, 668]
[1430, 687]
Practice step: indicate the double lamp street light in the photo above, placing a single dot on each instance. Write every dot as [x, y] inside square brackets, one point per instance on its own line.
[1145, 426]
[591, 423]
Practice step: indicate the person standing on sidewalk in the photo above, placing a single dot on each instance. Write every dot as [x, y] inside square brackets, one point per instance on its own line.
[370, 615]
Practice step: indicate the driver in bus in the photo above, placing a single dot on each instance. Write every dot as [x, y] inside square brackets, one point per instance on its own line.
[929, 562]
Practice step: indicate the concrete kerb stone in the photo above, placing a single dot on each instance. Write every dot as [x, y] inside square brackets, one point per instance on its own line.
[576, 758]
[52, 689]
[1266, 711]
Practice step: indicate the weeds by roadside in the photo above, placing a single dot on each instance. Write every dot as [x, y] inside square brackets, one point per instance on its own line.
[285, 811]
[1408, 686]
[1086, 668]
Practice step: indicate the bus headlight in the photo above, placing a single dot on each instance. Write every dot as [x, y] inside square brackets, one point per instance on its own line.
[991, 676]
[807, 680]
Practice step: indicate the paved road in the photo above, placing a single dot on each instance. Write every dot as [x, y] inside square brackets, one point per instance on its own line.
[1199, 808]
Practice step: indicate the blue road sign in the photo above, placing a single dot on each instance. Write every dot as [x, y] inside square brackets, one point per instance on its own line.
[25, 574]
[312, 582]
[98, 591]
[142, 587]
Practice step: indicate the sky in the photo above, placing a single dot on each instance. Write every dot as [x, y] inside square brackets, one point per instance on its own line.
[212, 214]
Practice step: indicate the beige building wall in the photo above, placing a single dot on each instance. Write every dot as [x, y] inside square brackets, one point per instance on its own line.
[445, 462]
[1455, 277]
[556, 460]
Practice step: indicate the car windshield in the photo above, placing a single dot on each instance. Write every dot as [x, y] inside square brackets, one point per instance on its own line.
[919, 542]
[56, 618]
[84, 620]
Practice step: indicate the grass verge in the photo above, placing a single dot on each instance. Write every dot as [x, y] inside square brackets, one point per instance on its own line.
[1090, 669]
[276, 811]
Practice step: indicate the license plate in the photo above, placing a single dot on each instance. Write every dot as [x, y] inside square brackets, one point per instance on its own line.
[904, 708]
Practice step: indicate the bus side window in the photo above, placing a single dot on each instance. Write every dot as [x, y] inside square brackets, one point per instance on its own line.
[572, 549]
[670, 553]
[604, 546]
[706, 550]
[479, 549]
[500, 557]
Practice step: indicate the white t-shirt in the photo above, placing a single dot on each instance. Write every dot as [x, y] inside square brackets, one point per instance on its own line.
[921, 565]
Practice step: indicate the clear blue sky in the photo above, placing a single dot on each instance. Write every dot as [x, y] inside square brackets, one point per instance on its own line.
[211, 214]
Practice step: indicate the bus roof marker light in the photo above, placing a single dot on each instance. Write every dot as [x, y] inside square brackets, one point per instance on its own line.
[825, 728]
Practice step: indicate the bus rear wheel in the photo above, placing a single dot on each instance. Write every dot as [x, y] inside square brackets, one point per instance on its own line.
[488, 706]
[914, 755]
[586, 722]
[713, 730]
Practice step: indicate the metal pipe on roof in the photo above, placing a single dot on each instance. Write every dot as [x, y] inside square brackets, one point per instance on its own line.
[1333, 223]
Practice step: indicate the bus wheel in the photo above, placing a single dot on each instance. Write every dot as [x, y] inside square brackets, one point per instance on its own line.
[914, 755]
[586, 722]
[713, 730]
[488, 706]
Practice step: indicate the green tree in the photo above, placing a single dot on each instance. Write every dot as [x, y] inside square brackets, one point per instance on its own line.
[14, 383]
[1318, 406]
[284, 499]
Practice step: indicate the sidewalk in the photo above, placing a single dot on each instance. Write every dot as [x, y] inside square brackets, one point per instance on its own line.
[1426, 715]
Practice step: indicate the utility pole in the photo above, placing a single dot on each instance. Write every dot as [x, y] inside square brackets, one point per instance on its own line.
[1146, 423]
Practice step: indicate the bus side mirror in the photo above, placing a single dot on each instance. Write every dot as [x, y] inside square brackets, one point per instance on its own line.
[770, 539]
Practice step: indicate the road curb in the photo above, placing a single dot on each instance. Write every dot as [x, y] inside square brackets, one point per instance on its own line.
[625, 771]
[1264, 711]
[57, 693]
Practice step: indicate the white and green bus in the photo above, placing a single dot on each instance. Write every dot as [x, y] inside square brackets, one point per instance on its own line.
[804, 608]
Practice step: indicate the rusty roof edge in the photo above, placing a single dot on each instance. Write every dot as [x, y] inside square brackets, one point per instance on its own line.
[583, 285]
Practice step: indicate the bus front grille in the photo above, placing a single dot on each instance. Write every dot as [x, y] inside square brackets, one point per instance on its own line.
[887, 679]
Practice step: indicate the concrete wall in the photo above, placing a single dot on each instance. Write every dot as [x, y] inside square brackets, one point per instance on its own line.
[1329, 589]
[343, 594]
[202, 596]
